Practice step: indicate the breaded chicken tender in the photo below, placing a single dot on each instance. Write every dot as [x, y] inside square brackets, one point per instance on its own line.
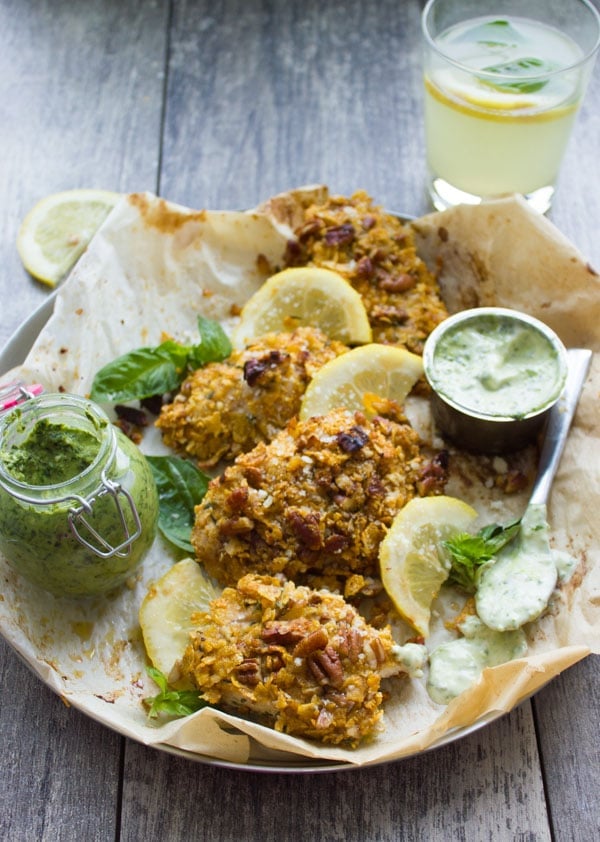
[300, 660]
[315, 503]
[226, 408]
[376, 252]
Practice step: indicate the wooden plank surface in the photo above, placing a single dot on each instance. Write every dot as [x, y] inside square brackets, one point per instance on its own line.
[486, 787]
[81, 91]
[261, 96]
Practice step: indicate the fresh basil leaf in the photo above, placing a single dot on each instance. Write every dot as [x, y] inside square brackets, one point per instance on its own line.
[136, 375]
[518, 67]
[497, 536]
[146, 372]
[213, 347]
[169, 701]
[468, 553]
[181, 486]
[176, 353]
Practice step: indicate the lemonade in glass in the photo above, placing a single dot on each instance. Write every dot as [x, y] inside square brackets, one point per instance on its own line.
[503, 84]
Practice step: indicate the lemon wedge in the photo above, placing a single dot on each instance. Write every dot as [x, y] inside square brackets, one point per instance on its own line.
[57, 230]
[413, 563]
[166, 611]
[305, 295]
[353, 379]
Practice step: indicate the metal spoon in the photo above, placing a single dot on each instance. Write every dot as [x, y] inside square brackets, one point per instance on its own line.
[559, 423]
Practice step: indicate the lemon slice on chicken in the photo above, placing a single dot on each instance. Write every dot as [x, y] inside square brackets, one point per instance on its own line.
[412, 560]
[304, 296]
[354, 379]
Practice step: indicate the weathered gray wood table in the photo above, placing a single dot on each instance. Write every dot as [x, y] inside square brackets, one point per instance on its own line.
[221, 105]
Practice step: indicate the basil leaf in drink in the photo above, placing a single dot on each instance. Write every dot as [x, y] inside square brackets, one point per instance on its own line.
[518, 68]
[498, 33]
[181, 486]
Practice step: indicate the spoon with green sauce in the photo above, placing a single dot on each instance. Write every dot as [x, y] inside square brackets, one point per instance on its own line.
[516, 588]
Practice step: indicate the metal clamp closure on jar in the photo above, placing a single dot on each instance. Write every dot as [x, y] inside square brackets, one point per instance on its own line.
[76, 516]
[104, 549]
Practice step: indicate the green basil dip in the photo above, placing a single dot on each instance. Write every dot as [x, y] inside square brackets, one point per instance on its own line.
[497, 363]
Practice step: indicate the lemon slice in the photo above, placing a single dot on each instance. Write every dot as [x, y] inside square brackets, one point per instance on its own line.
[56, 232]
[353, 379]
[413, 564]
[302, 296]
[166, 611]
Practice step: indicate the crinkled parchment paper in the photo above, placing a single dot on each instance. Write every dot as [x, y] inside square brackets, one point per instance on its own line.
[150, 269]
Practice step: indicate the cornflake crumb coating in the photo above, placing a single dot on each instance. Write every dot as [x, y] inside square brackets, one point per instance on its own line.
[315, 503]
[376, 253]
[226, 408]
[299, 660]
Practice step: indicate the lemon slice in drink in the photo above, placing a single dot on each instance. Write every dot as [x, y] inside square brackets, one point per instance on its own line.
[412, 561]
[57, 230]
[353, 379]
[166, 611]
[305, 295]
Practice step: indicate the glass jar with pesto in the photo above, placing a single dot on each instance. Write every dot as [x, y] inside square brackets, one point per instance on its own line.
[78, 503]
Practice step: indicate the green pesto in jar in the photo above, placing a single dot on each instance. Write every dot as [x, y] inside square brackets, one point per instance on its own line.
[53, 456]
[52, 453]
[496, 365]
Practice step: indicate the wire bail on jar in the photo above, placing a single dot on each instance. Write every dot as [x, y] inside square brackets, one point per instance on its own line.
[104, 549]
[77, 517]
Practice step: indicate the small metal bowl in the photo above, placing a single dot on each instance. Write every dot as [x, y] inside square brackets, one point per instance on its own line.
[490, 395]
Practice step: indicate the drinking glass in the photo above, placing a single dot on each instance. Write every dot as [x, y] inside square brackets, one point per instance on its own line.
[504, 80]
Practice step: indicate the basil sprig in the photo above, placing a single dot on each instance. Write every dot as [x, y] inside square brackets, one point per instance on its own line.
[518, 67]
[468, 553]
[169, 701]
[181, 486]
[146, 372]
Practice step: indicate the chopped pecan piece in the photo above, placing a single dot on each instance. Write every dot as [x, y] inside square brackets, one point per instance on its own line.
[351, 642]
[248, 672]
[378, 650]
[388, 314]
[311, 643]
[305, 526]
[397, 283]
[235, 526]
[283, 633]
[312, 228]
[365, 268]
[340, 235]
[433, 474]
[336, 543]
[237, 499]
[326, 666]
[368, 222]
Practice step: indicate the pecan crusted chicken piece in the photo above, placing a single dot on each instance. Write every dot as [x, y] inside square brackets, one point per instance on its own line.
[226, 408]
[376, 252]
[315, 503]
[301, 660]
